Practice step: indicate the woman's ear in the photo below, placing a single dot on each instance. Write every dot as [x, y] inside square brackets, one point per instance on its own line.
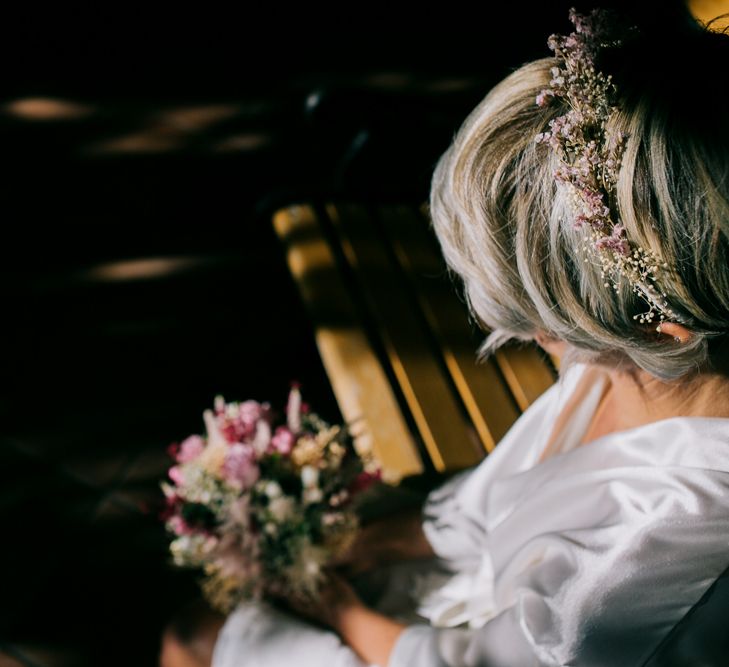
[678, 332]
[550, 345]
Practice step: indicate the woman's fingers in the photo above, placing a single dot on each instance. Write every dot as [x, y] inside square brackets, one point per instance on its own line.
[361, 556]
[335, 595]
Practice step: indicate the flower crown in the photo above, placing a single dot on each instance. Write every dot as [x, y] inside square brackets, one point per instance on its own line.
[591, 155]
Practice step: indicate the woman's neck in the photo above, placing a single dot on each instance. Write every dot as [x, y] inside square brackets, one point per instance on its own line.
[636, 398]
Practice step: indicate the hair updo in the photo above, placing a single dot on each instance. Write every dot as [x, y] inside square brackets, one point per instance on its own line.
[507, 230]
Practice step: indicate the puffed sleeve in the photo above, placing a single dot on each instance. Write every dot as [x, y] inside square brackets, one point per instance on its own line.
[456, 538]
[609, 620]
[592, 569]
[521, 635]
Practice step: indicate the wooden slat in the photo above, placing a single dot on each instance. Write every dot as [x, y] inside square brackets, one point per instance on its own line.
[360, 385]
[526, 372]
[523, 366]
[449, 437]
[481, 386]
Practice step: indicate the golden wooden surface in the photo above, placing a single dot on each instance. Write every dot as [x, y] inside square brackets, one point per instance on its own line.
[360, 385]
[526, 372]
[484, 393]
[449, 436]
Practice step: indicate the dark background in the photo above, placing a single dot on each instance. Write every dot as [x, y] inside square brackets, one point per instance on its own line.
[140, 275]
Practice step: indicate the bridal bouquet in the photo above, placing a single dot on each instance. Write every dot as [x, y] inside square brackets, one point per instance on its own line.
[263, 507]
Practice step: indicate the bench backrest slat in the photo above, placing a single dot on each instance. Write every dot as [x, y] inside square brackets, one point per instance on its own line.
[482, 388]
[447, 433]
[362, 389]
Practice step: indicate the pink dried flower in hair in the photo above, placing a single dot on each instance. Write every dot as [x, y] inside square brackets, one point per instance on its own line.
[591, 155]
[544, 98]
[616, 241]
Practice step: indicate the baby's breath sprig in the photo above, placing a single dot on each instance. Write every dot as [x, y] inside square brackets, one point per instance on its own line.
[591, 155]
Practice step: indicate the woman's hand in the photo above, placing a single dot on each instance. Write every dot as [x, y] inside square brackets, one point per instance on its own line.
[369, 633]
[336, 599]
[394, 538]
[368, 551]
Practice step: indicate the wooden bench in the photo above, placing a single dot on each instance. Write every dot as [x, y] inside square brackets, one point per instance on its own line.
[396, 340]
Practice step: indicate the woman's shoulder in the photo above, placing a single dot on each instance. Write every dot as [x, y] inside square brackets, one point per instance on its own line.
[676, 467]
[671, 453]
[693, 441]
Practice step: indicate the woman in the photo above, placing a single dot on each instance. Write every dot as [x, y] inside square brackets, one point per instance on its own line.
[594, 219]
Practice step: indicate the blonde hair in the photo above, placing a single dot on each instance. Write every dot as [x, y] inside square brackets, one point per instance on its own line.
[506, 229]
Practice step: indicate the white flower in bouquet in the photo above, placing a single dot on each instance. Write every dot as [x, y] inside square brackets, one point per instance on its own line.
[307, 571]
[282, 508]
[272, 489]
[310, 481]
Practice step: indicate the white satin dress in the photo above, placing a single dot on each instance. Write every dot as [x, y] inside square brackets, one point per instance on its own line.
[589, 556]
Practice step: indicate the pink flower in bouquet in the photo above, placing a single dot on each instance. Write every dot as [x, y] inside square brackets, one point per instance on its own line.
[176, 475]
[243, 426]
[179, 526]
[190, 449]
[283, 441]
[364, 481]
[240, 465]
[252, 411]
